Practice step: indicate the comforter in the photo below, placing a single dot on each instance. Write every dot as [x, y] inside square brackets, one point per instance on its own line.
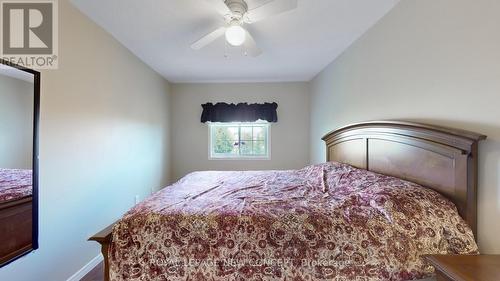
[325, 222]
[15, 184]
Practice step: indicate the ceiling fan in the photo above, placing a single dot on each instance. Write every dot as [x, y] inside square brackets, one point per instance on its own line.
[236, 15]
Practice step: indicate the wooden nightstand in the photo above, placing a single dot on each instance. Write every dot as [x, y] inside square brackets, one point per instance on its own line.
[466, 267]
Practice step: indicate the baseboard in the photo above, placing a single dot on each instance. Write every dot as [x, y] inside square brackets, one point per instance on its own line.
[86, 269]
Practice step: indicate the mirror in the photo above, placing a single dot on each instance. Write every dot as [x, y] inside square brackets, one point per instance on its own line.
[19, 110]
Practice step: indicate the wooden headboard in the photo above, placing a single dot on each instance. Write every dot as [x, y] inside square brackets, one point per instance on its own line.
[439, 158]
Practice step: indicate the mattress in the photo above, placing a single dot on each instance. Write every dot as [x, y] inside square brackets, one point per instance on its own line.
[324, 222]
[15, 184]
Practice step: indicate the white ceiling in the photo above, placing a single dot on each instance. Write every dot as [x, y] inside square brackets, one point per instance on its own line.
[297, 44]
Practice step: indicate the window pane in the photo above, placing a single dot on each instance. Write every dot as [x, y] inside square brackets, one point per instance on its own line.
[223, 140]
[233, 131]
[246, 133]
[259, 133]
[259, 147]
[246, 148]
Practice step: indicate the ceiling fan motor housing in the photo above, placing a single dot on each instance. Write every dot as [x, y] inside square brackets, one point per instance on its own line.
[238, 7]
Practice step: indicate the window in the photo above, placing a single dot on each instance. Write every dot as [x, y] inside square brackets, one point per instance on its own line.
[239, 140]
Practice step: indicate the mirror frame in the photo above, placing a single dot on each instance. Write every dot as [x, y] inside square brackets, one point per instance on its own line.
[35, 164]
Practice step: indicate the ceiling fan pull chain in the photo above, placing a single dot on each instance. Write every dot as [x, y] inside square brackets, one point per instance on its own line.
[226, 54]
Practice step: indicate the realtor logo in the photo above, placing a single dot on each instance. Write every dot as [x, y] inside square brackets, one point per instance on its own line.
[29, 33]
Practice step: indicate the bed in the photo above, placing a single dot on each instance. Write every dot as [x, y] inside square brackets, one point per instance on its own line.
[15, 213]
[363, 214]
[15, 184]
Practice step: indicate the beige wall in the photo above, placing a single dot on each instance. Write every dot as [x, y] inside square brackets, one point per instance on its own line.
[432, 61]
[103, 140]
[16, 123]
[289, 137]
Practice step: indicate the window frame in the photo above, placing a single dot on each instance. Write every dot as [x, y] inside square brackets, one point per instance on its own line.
[212, 156]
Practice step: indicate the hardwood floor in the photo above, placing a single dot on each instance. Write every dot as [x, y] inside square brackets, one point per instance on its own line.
[96, 274]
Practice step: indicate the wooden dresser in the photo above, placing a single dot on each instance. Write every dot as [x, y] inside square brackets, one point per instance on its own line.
[466, 267]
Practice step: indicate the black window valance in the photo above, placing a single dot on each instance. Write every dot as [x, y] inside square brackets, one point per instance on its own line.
[241, 112]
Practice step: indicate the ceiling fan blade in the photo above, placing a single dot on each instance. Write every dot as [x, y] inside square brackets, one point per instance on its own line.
[220, 6]
[250, 47]
[270, 9]
[209, 38]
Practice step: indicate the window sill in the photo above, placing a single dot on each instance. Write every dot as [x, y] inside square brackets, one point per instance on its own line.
[240, 158]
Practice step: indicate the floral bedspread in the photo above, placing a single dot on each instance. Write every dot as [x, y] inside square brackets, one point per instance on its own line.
[324, 222]
[15, 184]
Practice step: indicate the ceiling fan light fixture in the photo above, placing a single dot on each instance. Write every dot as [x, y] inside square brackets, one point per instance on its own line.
[236, 15]
[235, 35]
